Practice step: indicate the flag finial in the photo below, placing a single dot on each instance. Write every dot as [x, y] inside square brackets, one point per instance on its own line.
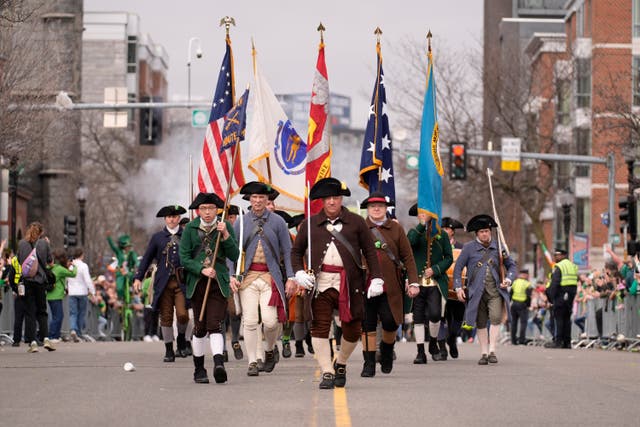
[321, 29]
[227, 21]
[429, 35]
[378, 33]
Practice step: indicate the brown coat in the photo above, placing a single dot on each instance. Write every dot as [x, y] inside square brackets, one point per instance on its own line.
[398, 244]
[356, 232]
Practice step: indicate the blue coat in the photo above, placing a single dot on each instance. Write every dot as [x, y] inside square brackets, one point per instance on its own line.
[167, 258]
[276, 231]
[471, 254]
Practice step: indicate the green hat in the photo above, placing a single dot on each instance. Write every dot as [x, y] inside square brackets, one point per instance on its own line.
[124, 241]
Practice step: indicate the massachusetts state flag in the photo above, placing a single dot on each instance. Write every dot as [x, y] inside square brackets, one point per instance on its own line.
[431, 171]
[215, 173]
[376, 162]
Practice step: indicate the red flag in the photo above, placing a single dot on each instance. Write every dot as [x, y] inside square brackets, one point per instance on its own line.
[215, 167]
[318, 143]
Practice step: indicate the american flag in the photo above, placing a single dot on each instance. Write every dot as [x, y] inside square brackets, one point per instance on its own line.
[376, 162]
[215, 166]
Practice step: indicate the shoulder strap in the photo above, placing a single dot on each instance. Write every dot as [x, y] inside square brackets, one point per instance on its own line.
[480, 263]
[385, 247]
[347, 245]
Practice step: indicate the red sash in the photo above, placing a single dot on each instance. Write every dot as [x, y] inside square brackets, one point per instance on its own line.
[275, 300]
[344, 302]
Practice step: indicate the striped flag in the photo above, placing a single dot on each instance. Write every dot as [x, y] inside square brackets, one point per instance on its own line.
[318, 141]
[431, 171]
[215, 166]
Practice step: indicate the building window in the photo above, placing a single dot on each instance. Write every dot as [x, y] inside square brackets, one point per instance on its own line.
[583, 148]
[132, 54]
[636, 18]
[563, 107]
[583, 215]
[580, 21]
[583, 82]
[636, 80]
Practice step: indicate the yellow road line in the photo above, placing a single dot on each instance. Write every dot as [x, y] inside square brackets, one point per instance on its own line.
[313, 421]
[341, 408]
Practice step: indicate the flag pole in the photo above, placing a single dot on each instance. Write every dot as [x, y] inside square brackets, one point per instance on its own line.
[190, 192]
[227, 21]
[378, 33]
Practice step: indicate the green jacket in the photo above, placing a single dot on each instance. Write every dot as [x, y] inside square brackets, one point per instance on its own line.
[192, 258]
[441, 255]
[61, 274]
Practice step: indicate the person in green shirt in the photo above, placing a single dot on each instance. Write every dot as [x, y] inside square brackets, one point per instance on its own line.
[62, 268]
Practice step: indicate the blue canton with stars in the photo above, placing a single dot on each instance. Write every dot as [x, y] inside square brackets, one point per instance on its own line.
[223, 98]
[376, 163]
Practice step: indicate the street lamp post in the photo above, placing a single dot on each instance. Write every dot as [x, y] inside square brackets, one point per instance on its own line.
[565, 200]
[198, 55]
[81, 196]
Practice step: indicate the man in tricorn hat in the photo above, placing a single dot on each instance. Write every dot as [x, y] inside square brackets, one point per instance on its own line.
[197, 248]
[262, 289]
[431, 291]
[395, 256]
[562, 291]
[168, 286]
[338, 240]
[486, 284]
[454, 309]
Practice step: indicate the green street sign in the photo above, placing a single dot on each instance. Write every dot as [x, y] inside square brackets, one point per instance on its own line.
[199, 118]
[412, 161]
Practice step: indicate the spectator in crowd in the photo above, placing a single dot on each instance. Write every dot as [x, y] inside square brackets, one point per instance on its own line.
[4, 262]
[35, 298]
[80, 287]
[62, 269]
[539, 304]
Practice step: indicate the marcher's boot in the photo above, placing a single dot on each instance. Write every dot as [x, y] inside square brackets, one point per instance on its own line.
[453, 346]
[307, 339]
[188, 350]
[299, 349]
[276, 353]
[286, 349]
[386, 357]
[169, 355]
[340, 378]
[421, 358]
[434, 351]
[182, 346]
[442, 344]
[331, 348]
[199, 374]
[269, 360]
[369, 366]
[219, 373]
[237, 350]
[225, 356]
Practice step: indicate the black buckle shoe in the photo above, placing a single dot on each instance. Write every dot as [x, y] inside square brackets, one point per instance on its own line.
[453, 347]
[484, 360]
[200, 374]
[328, 381]
[340, 378]
[260, 364]
[386, 357]
[369, 366]
[237, 351]
[253, 370]
[286, 350]
[270, 360]
[169, 355]
[421, 359]
[276, 353]
[492, 358]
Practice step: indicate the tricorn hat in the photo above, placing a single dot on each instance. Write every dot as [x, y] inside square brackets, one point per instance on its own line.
[480, 222]
[206, 199]
[413, 210]
[233, 210]
[560, 251]
[448, 222]
[296, 220]
[377, 197]
[184, 221]
[171, 210]
[255, 187]
[283, 215]
[328, 187]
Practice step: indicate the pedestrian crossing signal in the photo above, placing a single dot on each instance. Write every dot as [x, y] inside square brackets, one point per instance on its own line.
[458, 161]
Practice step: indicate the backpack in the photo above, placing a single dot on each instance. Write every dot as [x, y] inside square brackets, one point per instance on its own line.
[30, 265]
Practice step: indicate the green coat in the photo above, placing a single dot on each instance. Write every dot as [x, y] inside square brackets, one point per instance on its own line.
[441, 255]
[61, 274]
[192, 260]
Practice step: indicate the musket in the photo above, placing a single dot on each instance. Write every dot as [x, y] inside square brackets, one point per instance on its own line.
[236, 297]
[309, 266]
[427, 280]
[502, 244]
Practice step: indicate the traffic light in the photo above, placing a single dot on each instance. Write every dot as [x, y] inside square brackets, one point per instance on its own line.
[458, 160]
[150, 124]
[628, 214]
[70, 231]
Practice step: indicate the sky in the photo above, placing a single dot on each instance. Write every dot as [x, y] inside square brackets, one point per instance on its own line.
[286, 39]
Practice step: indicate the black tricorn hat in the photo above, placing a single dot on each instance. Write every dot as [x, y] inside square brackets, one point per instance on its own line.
[170, 210]
[255, 187]
[328, 187]
[480, 222]
[207, 199]
[284, 215]
[377, 197]
[413, 210]
[448, 222]
[233, 210]
[296, 220]
[184, 221]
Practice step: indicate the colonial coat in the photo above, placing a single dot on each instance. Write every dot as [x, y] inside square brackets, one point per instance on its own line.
[356, 232]
[192, 256]
[441, 255]
[471, 257]
[164, 250]
[398, 244]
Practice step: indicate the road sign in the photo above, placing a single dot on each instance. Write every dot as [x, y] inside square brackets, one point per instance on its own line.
[511, 154]
[412, 161]
[199, 118]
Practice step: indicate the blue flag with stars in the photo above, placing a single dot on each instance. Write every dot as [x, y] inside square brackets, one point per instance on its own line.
[376, 162]
[223, 97]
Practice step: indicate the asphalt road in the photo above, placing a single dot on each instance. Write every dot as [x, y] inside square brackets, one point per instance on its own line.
[85, 384]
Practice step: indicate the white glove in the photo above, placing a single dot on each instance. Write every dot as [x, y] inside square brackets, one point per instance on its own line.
[375, 288]
[304, 279]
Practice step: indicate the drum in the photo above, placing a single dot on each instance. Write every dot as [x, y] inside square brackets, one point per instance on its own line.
[451, 293]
